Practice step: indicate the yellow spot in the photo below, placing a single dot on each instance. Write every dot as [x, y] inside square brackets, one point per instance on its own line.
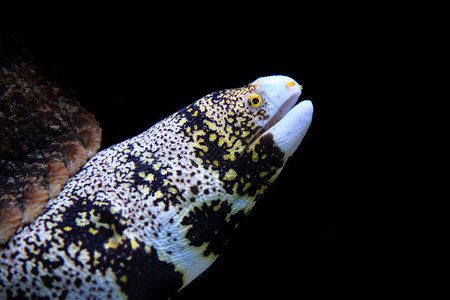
[247, 185]
[255, 157]
[216, 163]
[301, 87]
[195, 113]
[93, 231]
[123, 278]
[203, 147]
[230, 175]
[235, 187]
[230, 156]
[245, 133]
[134, 244]
[212, 137]
[149, 177]
[210, 124]
[264, 156]
[96, 256]
[145, 190]
[57, 218]
[263, 174]
[112, 243]
[198, 133]
[82, 220]
[159, 194]
[73, 249]
[142, 174]
[115, 240]
[290, 84]
[262, 189]
[229, 129]
[67, 228]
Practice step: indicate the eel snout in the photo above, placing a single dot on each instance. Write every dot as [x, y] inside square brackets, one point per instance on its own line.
[289, 123]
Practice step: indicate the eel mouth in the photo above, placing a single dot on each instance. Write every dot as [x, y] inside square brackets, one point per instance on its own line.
[289, 123]
[282, 111]
[290, 130]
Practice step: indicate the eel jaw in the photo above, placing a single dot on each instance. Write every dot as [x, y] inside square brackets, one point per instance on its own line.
[289, 124]
[289, 132]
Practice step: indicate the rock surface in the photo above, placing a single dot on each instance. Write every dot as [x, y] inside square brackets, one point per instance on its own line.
[45, 137]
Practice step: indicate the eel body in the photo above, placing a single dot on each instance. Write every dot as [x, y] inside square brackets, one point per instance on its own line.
[144, 217]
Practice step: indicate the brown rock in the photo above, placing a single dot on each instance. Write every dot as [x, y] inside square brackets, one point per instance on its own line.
[45, 137]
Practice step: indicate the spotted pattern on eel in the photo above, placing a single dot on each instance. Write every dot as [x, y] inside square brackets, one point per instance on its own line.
[143, 218]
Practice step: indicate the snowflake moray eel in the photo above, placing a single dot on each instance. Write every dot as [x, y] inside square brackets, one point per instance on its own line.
[144, 217]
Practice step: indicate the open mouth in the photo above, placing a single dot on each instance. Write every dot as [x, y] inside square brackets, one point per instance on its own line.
[289, 122]
[282, 111]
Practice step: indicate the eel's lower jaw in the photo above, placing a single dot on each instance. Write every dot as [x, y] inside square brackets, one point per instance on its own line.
[289, 131]
[282, 111]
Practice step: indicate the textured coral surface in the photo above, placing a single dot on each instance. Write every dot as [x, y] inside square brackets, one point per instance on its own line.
[45, 137]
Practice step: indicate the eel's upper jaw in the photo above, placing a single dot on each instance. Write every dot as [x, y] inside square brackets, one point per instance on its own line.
[281, 91]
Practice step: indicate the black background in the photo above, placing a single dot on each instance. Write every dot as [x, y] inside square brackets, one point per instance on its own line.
[131, 76]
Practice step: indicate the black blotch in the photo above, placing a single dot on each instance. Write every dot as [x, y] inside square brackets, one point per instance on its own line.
[82, 234]
[209, 225]
[156, 184]
[77, 282]
[243, 165]
[19, 294]
[250, 170]
[148, 277]
[194, 190]
[194, 164]
[48, 281]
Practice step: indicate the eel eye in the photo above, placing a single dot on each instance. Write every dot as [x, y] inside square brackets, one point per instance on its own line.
[255, 100]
